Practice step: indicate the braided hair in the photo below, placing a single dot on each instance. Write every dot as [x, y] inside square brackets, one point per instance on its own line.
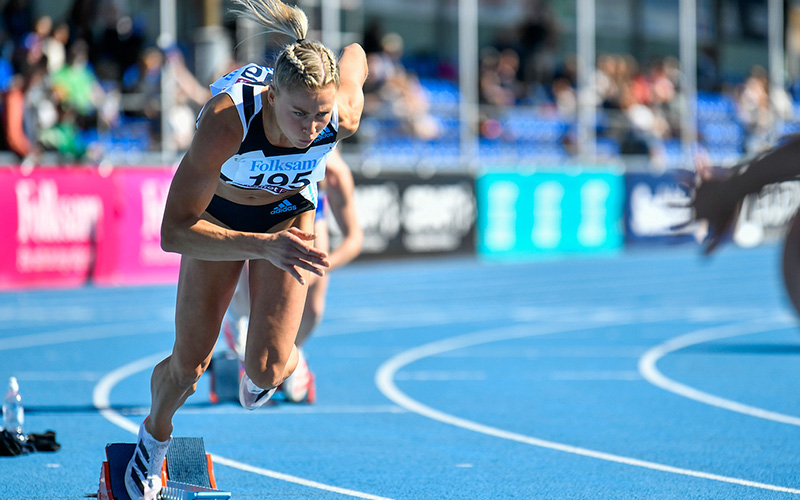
[302, 62]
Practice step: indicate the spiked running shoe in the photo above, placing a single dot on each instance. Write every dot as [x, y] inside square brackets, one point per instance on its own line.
[298, 386]
[250, 395]
[143, 474]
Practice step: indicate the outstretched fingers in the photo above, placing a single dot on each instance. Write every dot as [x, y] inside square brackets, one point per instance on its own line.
[293, 252]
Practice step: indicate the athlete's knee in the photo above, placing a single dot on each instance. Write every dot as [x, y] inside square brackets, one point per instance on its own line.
[271, 374]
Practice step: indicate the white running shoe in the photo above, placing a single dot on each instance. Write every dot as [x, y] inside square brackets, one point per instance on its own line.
[143, 474]
[296, 386]
[250, 395]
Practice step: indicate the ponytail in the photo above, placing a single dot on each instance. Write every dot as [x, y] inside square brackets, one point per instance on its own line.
[276, 17]
[301, 62]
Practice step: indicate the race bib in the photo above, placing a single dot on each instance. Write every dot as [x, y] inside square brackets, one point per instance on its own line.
[251, 73]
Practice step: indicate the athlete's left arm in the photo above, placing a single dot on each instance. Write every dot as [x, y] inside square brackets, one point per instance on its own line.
[341, 198]
[350, 97]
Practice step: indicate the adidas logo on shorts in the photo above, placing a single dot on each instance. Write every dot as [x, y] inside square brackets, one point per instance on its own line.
[284, 206]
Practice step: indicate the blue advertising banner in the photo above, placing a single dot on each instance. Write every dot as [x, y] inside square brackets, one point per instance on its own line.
[655, 205]
[550, 213]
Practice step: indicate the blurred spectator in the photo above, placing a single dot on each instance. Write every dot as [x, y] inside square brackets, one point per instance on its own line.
[754, 109]
[609, 90]
[759, 111]
[538, 43]
[81, 17]
[118, 47]
[498, 81]
[142, 83]
[391, 91]
[76, 87]
[64, 136]
[566, 98]
[24, 111]
[55, 48]
[190, 96]
[664, 83]
[30, 50]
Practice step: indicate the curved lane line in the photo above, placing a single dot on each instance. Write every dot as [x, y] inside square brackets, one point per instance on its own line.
[101, 401]
[648, 369]
[384, 379]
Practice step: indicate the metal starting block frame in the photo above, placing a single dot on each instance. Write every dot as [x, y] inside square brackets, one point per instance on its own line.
[188, 472]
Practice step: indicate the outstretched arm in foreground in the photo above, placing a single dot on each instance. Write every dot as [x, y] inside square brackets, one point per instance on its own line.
[718, 193]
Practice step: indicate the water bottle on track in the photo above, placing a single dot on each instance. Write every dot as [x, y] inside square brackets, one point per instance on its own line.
[13, 411]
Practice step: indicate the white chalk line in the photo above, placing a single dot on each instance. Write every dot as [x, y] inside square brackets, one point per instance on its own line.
[384, 379]
[101, 401]
[648, 369]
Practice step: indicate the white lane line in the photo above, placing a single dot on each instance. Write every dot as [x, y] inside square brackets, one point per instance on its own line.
[384, 379]
[648, 369]
[101, 400]
[101, 396]
[284, 410]
[293, 479]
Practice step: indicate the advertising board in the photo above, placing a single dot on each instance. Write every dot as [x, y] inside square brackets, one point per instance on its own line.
[549, 213]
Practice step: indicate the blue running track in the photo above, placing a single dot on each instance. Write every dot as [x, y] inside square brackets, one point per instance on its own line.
[649, 375]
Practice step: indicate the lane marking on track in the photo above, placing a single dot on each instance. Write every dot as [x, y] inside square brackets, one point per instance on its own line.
[384, 379]
[101, 400]
[648, 369]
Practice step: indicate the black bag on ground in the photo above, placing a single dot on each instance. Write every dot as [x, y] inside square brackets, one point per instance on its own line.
[44, 442]
[11, 446]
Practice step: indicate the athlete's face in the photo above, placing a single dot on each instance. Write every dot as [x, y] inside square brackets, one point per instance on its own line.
[302, 114]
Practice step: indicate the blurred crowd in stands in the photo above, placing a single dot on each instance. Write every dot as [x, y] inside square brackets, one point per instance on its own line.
[89, 84]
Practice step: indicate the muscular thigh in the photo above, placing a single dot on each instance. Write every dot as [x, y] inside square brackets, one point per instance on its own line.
[276, 304]
[204, 290]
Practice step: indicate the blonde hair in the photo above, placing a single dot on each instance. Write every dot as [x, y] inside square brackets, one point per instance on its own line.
[301, 62]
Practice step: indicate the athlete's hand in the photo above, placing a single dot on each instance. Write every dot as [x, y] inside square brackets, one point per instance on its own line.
[289, 250]
[715, 206]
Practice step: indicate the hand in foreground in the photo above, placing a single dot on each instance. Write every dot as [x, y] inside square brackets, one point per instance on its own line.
[289, 250]
[715, 206]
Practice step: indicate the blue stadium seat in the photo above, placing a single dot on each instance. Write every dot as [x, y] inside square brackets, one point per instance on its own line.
[726, 133]
[713, 107]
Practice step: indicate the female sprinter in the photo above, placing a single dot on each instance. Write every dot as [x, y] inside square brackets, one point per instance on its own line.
[337, 193]
[246, 191]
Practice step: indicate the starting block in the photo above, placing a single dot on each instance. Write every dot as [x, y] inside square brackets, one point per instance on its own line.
[225, 370]
[188, 472]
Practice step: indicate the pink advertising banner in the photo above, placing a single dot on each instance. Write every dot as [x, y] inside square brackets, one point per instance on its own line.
[138, 258]
[65, 227]
[54, 224]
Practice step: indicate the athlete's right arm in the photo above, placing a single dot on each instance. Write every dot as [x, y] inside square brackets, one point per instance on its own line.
[718, 194]
[218, 137]
[341, 199]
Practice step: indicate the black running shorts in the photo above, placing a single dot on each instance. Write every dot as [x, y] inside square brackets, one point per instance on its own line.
[257, 218]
